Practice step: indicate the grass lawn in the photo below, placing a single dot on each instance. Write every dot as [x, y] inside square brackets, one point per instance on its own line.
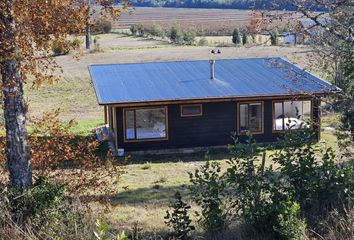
[145, 190]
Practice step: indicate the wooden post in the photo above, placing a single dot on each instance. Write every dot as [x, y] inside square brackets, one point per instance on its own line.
[317, 116]
[105, 115]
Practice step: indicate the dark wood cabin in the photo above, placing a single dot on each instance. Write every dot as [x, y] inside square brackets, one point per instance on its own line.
[187, 104]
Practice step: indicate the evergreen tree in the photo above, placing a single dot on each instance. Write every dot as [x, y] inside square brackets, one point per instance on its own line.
[236, 36]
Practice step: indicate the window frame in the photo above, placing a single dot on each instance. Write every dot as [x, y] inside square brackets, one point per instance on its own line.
[191, 115]
[282, 102]
[239, 132]
[125, 110]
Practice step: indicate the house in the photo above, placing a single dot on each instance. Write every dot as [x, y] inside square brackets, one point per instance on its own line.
[164, 105]
[308, 31]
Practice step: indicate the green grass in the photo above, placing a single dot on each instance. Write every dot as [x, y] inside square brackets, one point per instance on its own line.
[150, 182]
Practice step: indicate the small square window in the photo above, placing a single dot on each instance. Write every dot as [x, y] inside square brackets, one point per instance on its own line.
[191, 110]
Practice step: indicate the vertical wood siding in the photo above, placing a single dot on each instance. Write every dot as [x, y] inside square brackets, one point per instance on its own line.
[215, 127]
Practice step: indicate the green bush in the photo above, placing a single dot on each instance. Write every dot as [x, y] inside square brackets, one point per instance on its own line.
[189, 37]
[208, 190]
[260, 197]
[244, 38]
[60, 48]
[203, 42]
[236, 36]
[41, 212]
[134, 30]
[102, 26]
[157, 31]
[178, 219]
[76, 43]
[176, 34]
[319, 183]
[274, 37]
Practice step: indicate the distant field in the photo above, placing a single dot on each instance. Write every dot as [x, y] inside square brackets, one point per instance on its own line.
[203, 21]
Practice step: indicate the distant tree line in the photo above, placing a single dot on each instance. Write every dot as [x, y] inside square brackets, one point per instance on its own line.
[175, 34]
[231, 4]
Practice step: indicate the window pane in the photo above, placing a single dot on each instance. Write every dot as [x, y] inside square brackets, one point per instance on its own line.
[244, 117]
[150, 123]
[293, 114]
[278, 115]
[192, 110]
[306, 111]
[255, 117]
[129, 124]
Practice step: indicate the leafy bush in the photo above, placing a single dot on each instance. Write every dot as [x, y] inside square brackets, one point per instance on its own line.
[76, 43]
[157, 31]
[134, 30]
[60, 48]
[318, 183]
[102, 26]
[208, 190]
[178, 220]
[176, 34]
[189, 37]
[260, 198]
[203, 42]
[274, 37]
[41, 212]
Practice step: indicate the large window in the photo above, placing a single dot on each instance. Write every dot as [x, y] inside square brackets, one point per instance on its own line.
[145, 124]
[291, 114]
[250, 117]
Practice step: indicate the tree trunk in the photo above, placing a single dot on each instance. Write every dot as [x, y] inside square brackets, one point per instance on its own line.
[88, 36]
[17, 147]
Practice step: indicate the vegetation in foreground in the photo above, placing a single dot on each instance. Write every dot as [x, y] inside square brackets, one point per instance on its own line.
[305, 193]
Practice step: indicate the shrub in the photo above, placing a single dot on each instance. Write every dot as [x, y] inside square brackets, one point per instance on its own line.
[189, 37]
[76, 43]
[203, 42]
[176, 34]
[274, 37]
[41, 212]
[260, 197]
[140, 30]
[157, 31]
[134, 30]
[102, 26]
[236, 36]
[244, 38]
[60, 48]
[318, 183]
[208, 190]
[178, 219]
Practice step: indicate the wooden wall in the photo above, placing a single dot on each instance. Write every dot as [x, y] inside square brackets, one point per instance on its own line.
[215, 127]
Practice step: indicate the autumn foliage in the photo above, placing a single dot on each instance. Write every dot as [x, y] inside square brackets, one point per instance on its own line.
[81, 162]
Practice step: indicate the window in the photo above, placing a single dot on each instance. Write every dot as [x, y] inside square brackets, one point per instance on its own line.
[191, 110]
[250, 117]
[145, 124]
[291, 114]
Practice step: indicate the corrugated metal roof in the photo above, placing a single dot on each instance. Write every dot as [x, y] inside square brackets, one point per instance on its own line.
[168, 81]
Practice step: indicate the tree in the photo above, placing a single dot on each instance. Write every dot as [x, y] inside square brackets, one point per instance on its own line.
[331, 38]
[27, 29]
[274, 37]
[236, 36]
[176, 34]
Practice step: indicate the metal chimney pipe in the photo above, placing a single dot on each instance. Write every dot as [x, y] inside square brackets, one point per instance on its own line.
[212, 69]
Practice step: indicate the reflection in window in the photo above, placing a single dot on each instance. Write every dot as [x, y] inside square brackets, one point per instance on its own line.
[145, 124]
[250, 117]
[291, 114]
[191, 110]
